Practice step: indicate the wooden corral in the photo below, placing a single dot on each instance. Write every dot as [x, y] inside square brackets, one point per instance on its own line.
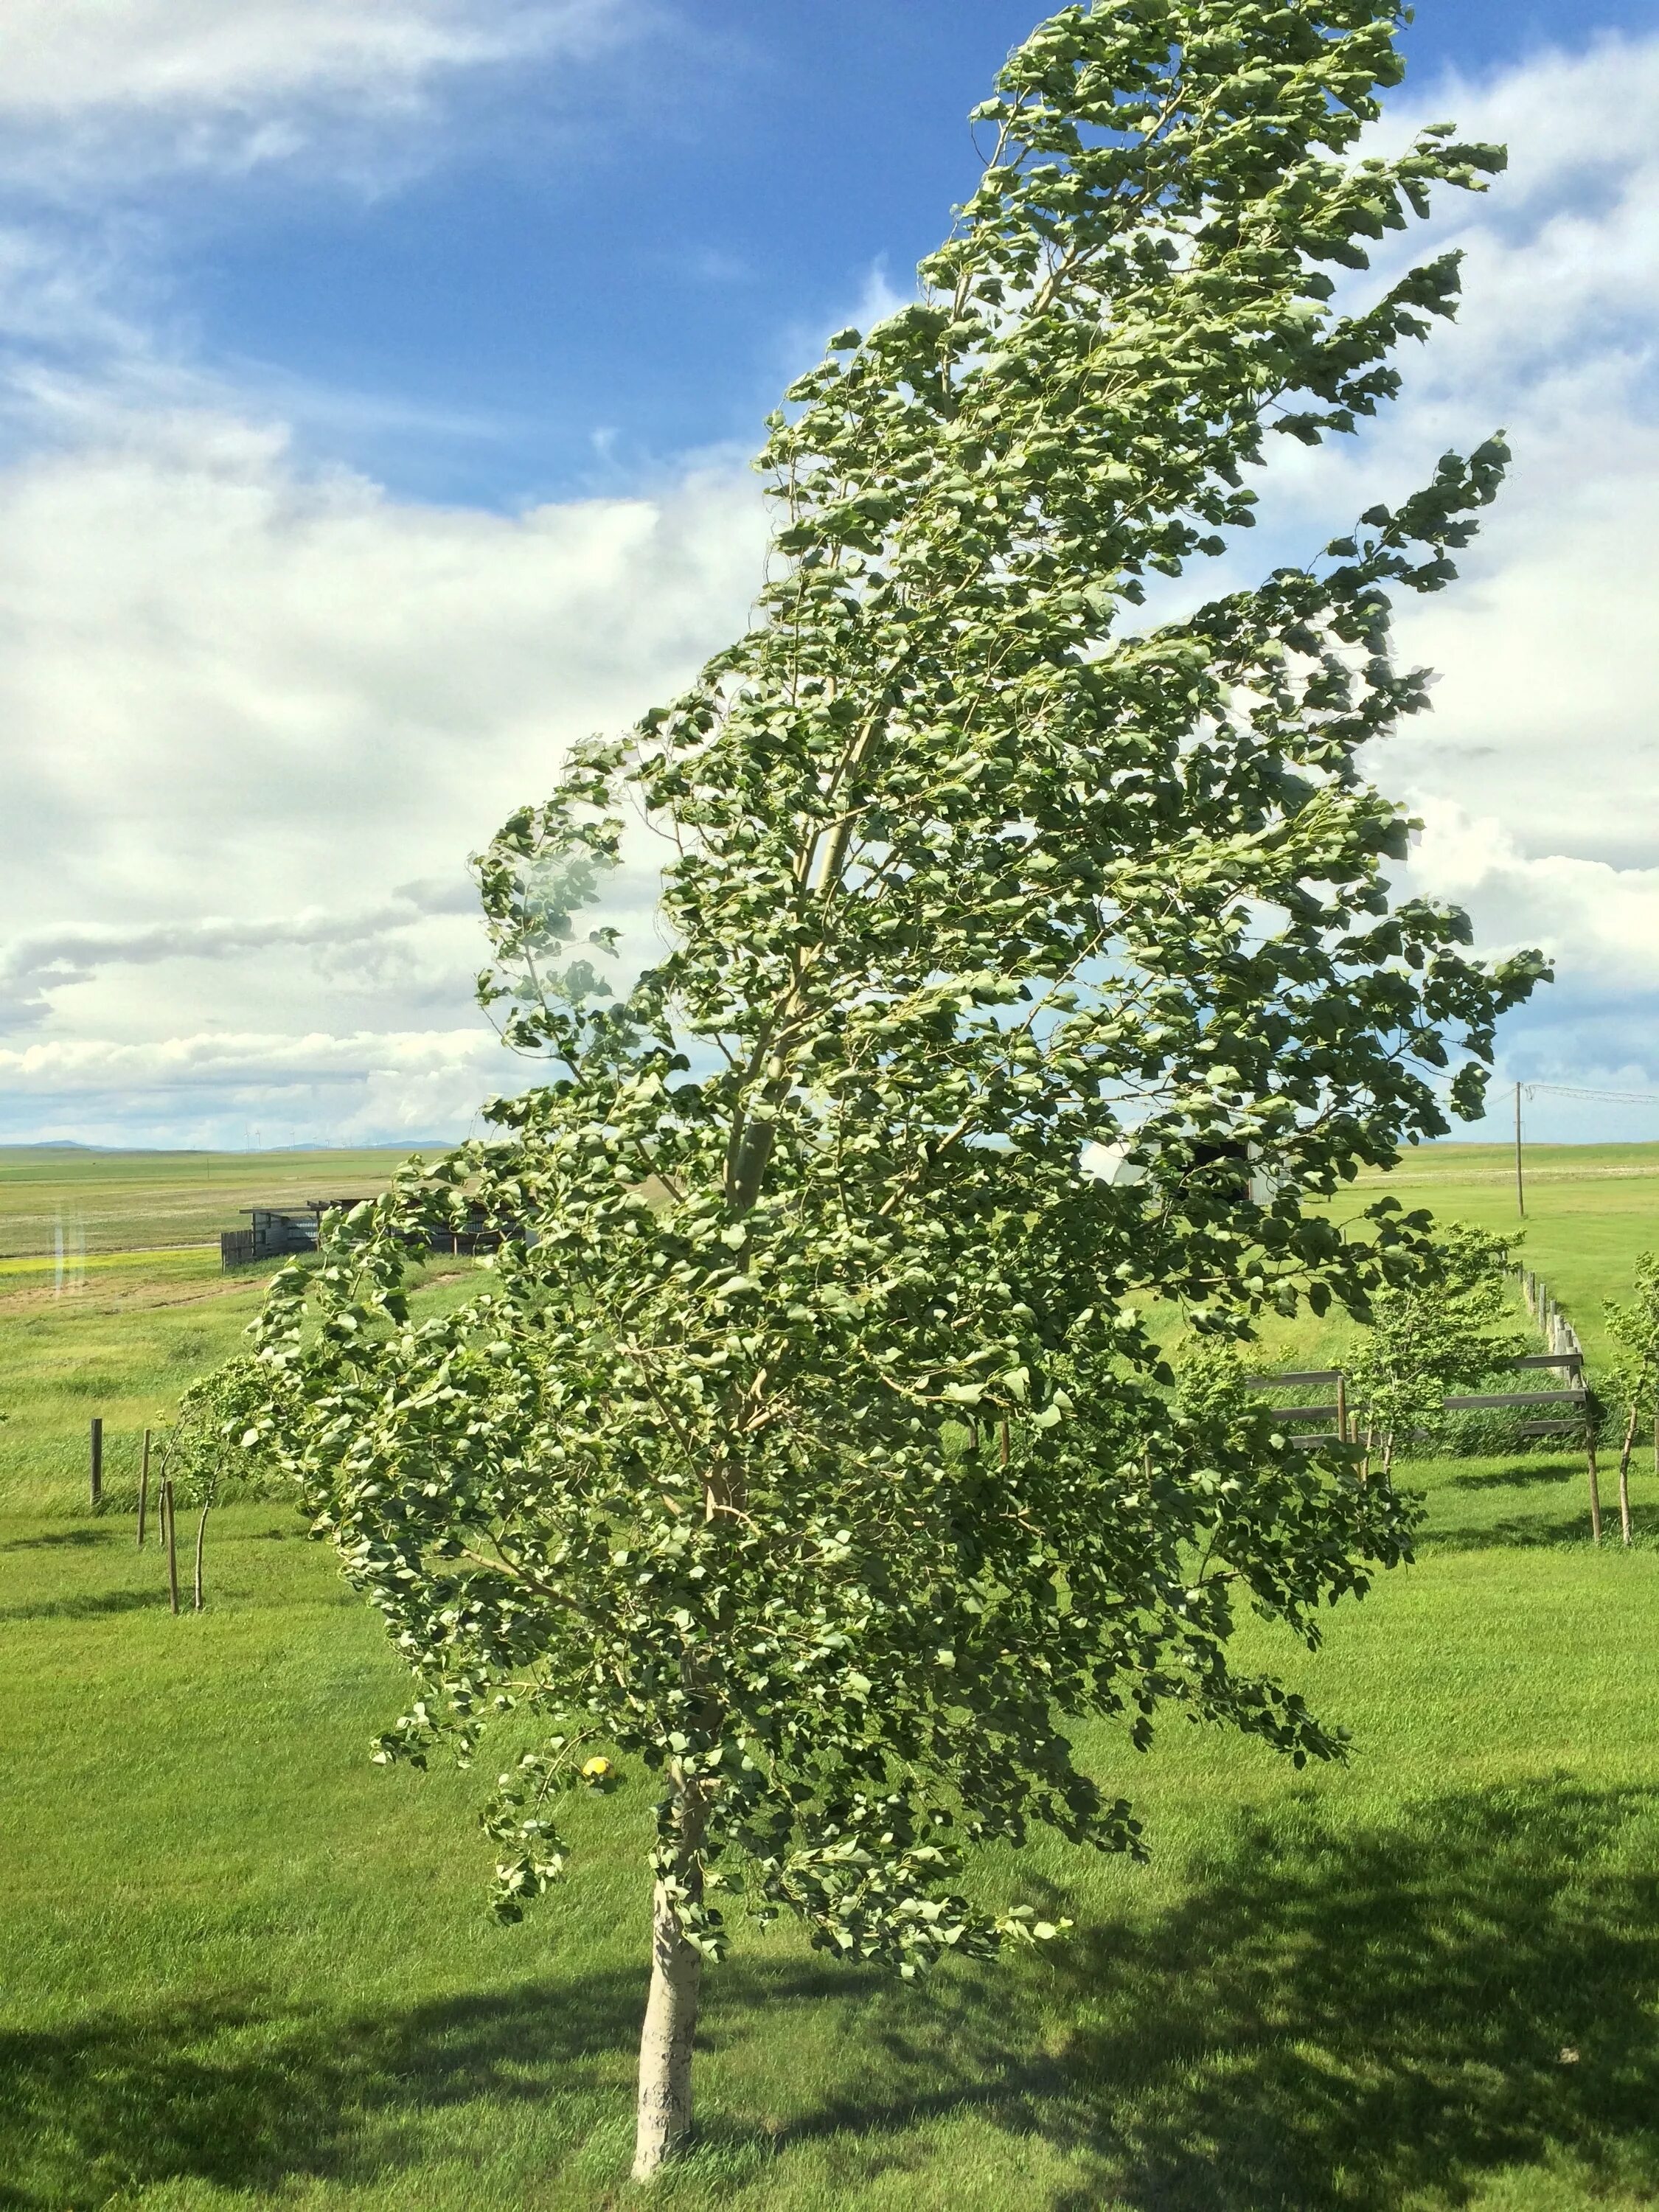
[278, 1233]
[281, 1232]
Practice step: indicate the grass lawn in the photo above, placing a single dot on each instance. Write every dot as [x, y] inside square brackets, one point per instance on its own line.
[241, 1967]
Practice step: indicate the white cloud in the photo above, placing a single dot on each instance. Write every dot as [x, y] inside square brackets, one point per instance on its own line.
[1538, 772]
[257, 719]
[365, 1086]
[251, 1057]
[38, 965]
[255, 714]
[1597, 1027]
[1538, 768]
[62, 57]
[1589, 918]
[97, 90]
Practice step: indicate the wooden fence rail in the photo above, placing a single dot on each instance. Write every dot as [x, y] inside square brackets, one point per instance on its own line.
[1569, 1412]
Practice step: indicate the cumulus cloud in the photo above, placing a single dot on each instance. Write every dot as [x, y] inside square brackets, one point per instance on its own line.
[253, 1057]
[367, 1086]
[1589, 917]
[1598, 1024]
[258, 712]
[97, 90]
[1537, 770]
[258, 717]
[1547, 712]
[62, 56]
[34, 966]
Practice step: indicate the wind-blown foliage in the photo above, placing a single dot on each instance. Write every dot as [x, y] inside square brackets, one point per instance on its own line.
[807, 1439]
[217, 1449]
[1634, 1327]
[1446, 1326]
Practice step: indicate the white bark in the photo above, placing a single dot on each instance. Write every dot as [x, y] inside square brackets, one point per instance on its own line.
[664, 2125]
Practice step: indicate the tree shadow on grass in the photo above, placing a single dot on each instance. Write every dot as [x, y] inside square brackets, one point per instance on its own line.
[1521, 1474]
[93, 1606]
[1563, 1532]
[59, 1538]
[1350, 2017]
[1336, 2018]
[244, 2094]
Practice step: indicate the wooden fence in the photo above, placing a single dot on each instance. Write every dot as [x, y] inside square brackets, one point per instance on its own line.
[1570, 1412]
[1558, 1332]
[1573, 1399]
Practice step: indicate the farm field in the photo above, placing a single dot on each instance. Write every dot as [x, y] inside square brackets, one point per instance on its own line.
[243, 1968]
[125, 1201]
[1590, 1209]
[123, 1347]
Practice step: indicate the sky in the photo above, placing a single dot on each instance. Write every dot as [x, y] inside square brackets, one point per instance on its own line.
[378, 379]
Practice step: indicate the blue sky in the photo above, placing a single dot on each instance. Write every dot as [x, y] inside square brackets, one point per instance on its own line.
[590, 268]
[376, 382]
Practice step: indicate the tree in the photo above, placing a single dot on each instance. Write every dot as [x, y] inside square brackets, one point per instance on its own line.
[807, 1441]
[219, 1435]
[1446, 1326]
[1634, 1329]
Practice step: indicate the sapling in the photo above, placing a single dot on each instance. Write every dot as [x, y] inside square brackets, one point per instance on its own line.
[1634, 1329]
[1443, 1324]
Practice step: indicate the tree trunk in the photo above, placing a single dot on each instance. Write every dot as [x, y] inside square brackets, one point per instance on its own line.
[1624, 1476]
[171, 1540]
[664, 2125]
[201, 1539]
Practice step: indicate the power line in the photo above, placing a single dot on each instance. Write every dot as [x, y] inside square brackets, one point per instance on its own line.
[1566, 1090]
[1582, 1091]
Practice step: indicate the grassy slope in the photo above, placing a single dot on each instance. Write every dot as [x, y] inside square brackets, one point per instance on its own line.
[124, 1347]
[1590, 1209]
[119, 1201]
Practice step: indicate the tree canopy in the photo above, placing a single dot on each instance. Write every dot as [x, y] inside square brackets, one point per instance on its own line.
[809, 1438]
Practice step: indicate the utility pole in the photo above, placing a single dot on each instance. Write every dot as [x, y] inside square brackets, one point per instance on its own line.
[1520, 1187]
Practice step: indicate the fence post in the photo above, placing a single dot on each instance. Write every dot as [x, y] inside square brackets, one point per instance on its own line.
[97, 1469]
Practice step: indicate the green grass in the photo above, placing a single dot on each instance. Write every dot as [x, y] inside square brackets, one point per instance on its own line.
[123, 1347]
[1590, 1209]
[243, 1966]
[121, 1201]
